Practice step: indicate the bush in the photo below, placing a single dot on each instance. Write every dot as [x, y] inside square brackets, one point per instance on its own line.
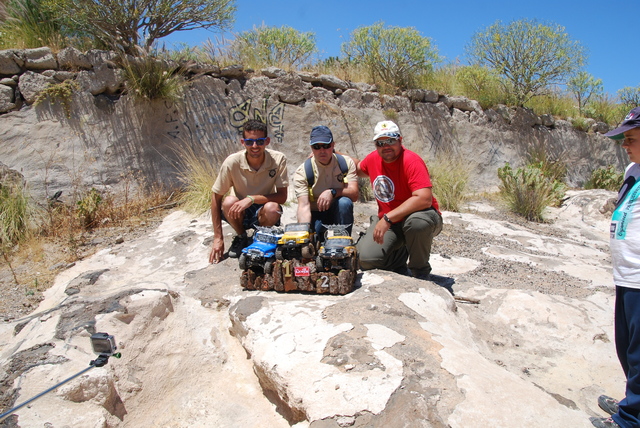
[150, 78]
[449, 175]
[18, 215]
[394, 56]
[531, 55]
[605, 178]
[527, 191]
[87, 208]
[483, 85]
[197, 175]
[283, 47]
[59, 93]
[604, 108]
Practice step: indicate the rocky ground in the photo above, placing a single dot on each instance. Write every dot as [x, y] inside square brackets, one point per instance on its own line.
[536, 334]
[36, 265]
[38, 262]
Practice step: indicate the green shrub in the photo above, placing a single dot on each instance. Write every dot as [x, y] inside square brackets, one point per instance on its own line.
[150, 78]
[553, 103]
[393, 56]
[283, 47]
[580, 123]
[605, 178]
[604, 108]
[59, 93]
[87, 208]
[449, 175]
[483, 85]
[17, 214]
[527, 191]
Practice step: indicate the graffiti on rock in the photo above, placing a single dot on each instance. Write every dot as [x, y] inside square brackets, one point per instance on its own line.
[273, 116]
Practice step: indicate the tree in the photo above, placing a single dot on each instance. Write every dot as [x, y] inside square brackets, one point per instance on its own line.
[283, 46]
[125, 25]
[583, 86]
[630, 96]
[396, 56]
[530, 55]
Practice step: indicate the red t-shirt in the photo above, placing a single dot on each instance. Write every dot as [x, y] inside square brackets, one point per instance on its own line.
[393, 183]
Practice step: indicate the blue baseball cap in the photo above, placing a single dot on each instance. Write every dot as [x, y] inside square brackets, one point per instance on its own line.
[632, 120]
[321, 135]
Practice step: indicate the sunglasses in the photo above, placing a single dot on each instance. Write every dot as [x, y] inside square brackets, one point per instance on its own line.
[386, 142]
[249, 141]
[321, 146]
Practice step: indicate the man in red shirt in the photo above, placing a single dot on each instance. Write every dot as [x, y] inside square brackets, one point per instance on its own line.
[408, 216]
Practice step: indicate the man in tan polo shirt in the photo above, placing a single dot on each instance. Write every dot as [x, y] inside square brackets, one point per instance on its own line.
[256, 179]
[326, 185]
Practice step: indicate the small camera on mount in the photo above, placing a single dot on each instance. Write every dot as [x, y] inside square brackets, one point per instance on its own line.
[103, 344]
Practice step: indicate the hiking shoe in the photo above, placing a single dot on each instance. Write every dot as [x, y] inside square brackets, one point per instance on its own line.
[404, 270]
[424, 273]
[239, 242]
[603, 422]
[608, 404]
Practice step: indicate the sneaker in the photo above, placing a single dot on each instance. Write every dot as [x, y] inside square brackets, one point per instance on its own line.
[603, 423]
[608, 404]
[239, 242]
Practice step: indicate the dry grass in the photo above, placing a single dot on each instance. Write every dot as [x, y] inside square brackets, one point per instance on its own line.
[198, 173]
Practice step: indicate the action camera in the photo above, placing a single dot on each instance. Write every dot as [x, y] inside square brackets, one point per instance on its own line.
[103, 344]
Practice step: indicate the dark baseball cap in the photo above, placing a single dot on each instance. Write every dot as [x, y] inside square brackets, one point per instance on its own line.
[321, 134]
[631, 121]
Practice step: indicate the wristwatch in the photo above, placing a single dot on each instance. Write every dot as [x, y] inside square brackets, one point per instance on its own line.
[334, 192]
[384, 216]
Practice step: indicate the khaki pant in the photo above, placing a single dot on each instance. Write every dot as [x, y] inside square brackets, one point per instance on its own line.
[409, 239]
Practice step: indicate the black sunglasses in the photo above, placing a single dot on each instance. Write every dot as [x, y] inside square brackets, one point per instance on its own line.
[386, 142]
[321, 146]
[249, 141]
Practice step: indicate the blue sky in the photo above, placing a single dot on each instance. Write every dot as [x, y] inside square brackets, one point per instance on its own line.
[607, 29]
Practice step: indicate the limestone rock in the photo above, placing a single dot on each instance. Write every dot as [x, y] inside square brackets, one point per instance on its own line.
[332, 82]
[235, 71]
[10, 62]
[600, 127]
[464, 104]
[99, 57]
[273, 72]
[39, 59]
[7, 98]
[31, 84]
[396, 103]
[321, 94]
[547, 120]
[73, 59]
[102, 79]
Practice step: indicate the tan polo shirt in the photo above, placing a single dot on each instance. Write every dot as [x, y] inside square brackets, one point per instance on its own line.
[236, 175]
[327, 177]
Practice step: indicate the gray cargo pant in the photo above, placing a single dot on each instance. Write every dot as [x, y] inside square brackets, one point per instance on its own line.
[409, 239]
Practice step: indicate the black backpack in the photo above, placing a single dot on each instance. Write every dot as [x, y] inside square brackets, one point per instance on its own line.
[311, 177]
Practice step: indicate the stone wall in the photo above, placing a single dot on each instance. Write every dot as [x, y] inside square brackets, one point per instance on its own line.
[110, 140]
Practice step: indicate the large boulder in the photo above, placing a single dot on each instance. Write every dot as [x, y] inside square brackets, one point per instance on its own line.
[10, 62]
[31, 84]
[39, 59]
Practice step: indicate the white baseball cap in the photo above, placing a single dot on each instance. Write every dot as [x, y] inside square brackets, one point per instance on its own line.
[387, 129]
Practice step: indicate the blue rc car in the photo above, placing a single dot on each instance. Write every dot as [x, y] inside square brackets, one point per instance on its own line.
[261, 253]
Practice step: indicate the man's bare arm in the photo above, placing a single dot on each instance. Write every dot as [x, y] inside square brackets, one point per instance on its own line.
[217, 248]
